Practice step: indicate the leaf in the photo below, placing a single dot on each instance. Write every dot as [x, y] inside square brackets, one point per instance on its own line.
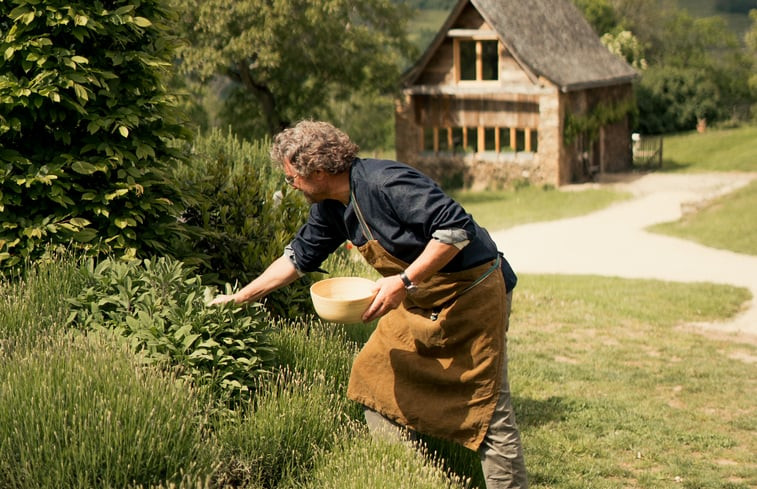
[27, 18]
[142, 22]
[79, 221]
[117, 193]
[85, 235]
[83, 168]
[121, 222]
[189, 340]
[124, 131]
[81, 93]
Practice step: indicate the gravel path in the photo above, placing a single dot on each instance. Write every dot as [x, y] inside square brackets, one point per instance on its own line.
[613, 242]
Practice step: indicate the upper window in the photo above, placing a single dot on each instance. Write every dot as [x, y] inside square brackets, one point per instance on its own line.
[478, 60]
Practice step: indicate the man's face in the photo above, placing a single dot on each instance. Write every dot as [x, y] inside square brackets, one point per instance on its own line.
[312, 186]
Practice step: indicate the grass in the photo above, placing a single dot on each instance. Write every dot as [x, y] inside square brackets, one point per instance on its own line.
[497, 210]
[726, 223]
[627, 398]
[714, 150]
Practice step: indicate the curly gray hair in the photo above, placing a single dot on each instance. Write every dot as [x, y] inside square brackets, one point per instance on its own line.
[314, 145]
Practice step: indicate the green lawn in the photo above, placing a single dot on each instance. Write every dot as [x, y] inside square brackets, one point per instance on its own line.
[714, 150]
[497, 210]
[728, 223]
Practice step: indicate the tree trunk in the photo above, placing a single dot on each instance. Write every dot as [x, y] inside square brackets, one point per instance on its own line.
[265, 97]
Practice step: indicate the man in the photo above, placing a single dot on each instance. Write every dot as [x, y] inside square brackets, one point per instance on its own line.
[437, 361]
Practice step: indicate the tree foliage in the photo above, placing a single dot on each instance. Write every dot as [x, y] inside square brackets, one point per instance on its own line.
[86, 127]
[697, 68]
[287, 58]
[750, 39]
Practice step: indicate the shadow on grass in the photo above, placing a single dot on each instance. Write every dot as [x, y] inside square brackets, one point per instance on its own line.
[537, 412]
[671, 166]
[529, 413]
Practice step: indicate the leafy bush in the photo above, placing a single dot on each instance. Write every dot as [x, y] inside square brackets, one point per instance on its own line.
[242, 215]
[87, 128]
[81, 413]
[160, 308]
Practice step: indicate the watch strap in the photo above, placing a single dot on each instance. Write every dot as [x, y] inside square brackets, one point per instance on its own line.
[406, 280]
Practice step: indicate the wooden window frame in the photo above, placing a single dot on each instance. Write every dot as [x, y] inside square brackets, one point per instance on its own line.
[466, 36]
[528, 136]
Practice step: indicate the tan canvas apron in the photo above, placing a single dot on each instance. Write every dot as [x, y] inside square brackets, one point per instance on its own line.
[434, 364]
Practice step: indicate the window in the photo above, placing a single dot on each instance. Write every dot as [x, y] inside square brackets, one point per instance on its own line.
[477, 60]
[489, 60]
[475, 139]
[467, 60]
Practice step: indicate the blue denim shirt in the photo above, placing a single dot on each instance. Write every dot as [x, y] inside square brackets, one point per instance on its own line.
[404, 210]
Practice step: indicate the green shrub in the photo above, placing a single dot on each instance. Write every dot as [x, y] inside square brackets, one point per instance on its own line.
[312, 347]
[160, 308]
[279, 437]
[240, 224]
[367, 462]
[34, 303]
[87, 128]
[82, 413]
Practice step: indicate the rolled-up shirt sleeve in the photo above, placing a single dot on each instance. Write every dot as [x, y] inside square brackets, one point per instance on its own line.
[456, 237]
[289, 253]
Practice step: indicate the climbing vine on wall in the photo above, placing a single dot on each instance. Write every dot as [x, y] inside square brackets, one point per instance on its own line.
[601, 115]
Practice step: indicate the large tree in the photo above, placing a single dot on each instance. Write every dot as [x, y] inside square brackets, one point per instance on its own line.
[288, 59]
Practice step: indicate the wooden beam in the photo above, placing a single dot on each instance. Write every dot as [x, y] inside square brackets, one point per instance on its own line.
[513, 138]
[475, 34]
[481, 139]
[456, 59]
[497, 142]
[479, 61]
[436, 139]
[528, 139]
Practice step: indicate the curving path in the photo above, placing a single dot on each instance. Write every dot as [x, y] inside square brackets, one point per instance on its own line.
[613, 242]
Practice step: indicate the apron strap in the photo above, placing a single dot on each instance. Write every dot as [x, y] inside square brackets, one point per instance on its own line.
[480, 279]
[363, 224]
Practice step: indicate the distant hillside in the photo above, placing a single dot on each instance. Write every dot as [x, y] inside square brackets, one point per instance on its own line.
[735, 12]
[431, 14]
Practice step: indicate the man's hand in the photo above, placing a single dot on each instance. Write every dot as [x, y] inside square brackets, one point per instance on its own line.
[390, 294]
[222, 299]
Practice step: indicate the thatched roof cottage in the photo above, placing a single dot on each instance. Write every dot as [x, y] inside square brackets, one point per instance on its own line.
[512, 90]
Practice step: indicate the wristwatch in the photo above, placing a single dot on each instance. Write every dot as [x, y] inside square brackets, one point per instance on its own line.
[409, 285]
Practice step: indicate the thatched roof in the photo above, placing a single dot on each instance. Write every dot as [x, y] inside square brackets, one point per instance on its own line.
[549, 38]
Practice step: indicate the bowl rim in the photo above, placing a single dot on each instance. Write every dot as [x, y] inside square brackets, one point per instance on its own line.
[370, 296]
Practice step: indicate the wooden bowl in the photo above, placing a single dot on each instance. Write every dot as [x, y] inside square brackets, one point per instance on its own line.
[342, 299]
